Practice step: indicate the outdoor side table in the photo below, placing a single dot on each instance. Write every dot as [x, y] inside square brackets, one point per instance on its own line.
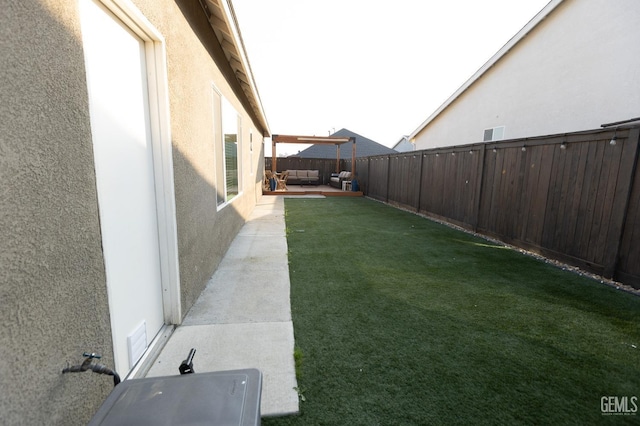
[346, 185]
[218, 398]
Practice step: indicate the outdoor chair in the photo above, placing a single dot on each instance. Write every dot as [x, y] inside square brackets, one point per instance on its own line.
[282, 181]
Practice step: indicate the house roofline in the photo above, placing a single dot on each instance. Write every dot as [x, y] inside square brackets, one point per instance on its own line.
[254, 87]
[223, 20]
[520, 35]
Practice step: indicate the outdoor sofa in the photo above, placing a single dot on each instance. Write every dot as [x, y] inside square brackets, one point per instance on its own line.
[303, 177]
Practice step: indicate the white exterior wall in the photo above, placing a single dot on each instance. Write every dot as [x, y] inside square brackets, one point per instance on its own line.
[404, 145]
[577, 69]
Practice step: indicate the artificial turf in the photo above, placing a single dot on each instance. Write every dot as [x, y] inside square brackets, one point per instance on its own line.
[402, 321]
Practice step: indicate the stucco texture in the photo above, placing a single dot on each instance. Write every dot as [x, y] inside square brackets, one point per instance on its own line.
[53, 287]
[574, 71]
[52, 283]
[197, 68]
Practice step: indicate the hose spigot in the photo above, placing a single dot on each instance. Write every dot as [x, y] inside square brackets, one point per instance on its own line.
[96, 368]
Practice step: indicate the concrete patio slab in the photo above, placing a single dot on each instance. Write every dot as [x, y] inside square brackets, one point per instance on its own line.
[242, 319]
[256, 295]
[219, 347]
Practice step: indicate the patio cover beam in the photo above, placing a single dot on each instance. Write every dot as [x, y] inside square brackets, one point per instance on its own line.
[315, 140]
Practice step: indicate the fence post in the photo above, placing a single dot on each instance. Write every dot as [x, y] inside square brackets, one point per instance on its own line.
[365, 191]
[617, 224]
[419, 185]
[479, 188]
[388, 176]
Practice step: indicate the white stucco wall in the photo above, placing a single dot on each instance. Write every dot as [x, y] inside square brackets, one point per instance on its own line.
[577, 69]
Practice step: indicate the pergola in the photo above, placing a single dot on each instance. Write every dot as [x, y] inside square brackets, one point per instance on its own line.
[315, 140]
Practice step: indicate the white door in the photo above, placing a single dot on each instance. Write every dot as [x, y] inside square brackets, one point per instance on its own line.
[119, 108]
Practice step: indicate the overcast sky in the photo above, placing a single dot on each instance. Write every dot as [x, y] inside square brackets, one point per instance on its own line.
[378, 68]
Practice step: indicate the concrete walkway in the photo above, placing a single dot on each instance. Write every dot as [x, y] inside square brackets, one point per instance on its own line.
[243, 317]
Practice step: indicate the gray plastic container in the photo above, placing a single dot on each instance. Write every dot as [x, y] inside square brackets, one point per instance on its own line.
[218, 398]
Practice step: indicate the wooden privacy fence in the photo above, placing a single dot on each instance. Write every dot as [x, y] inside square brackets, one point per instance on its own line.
[572, 197]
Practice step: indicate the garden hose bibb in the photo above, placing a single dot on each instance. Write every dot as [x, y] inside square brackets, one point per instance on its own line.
[88, 364]
[186, 367]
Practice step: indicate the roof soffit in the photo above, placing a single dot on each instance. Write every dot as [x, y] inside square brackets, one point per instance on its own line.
[222, 19]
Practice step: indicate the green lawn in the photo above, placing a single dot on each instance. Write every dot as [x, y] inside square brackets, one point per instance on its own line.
[402, 321]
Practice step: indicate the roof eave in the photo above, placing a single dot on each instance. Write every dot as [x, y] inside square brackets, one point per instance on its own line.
[223, 21]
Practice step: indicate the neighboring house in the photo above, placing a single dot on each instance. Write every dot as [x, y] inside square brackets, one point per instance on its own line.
[404, 145]
[364, 148]
[573, 67]
[131, 153]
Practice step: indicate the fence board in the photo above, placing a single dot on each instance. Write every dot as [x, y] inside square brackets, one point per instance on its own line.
[452, 188]
[588, 200]
[571, 186]
[561, 190]
[581, 197]
[378, 178]
[620, 206]
[596, 224]
[535, 225]
[628, 269]
[517, 197]
[531, 181]
[580, 157]
[507, 192]
[465, 171]
[362, 173]
[487, 194]
[610, 175]
[426, 183]
[498, 173]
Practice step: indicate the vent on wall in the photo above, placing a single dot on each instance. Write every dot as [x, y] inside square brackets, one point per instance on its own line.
[137, 343]
[494, 134]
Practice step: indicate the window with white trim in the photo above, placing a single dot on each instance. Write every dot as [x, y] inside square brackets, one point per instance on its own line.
[227, 149]
[231, 150]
